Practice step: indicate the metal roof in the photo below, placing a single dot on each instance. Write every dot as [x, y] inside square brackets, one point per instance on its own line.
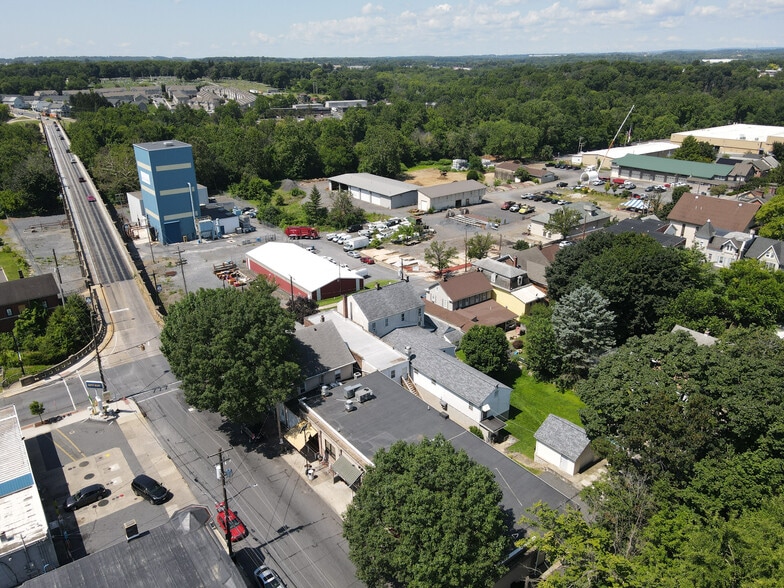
[678, 167]
[375, 184]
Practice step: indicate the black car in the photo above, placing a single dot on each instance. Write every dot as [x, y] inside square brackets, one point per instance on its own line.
[561, 185]
[149, 489]
[85, 496]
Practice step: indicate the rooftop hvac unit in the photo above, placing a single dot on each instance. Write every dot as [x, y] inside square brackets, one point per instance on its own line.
[351, 390]
[367, 394]
[350, 406]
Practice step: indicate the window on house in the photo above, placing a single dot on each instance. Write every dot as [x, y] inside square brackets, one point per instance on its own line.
[402, 316]
[9, 312]
[392, 374]
[386, 322]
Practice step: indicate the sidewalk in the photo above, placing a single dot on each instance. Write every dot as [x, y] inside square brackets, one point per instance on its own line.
[336, 494]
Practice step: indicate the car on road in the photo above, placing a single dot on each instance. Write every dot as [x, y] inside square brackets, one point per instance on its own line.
[367, 260]
[81, 179]
[507, 204]
[149, 489]
[229, 522]
[267, 578]
[354, 254]
[85, 496]
[90, 198]
[562, 184]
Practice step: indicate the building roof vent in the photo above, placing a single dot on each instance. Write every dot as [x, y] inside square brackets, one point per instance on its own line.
[168, 144]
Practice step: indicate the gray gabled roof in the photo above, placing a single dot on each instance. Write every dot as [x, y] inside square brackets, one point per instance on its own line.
[449, 372]
[562, 436]
[321, 349]
[499, 267]
[761, 244]
[373, 183]
[26, 289]
[451, 188]
[387, 301]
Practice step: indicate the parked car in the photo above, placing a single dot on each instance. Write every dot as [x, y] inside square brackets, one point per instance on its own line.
[367, 260]
[267, 578]
[562, 184]
[506, 205]
[526, 196]
[149, 489]
[85, 496]
[227, 518]
[514, 208]
[354, 254]
[598, 182]
[649, 188]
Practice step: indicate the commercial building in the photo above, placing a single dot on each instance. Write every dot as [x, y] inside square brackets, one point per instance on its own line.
[376, 190]
[170, 198]
[26, 546]
[301, 273]
[736, 139]
[606, 157]
[451, 195]
[662, 169]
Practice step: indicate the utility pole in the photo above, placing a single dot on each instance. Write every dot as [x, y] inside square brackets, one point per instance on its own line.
[225, 501]
[182, 270]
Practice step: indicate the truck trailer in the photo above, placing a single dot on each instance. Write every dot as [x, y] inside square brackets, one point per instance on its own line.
[301, 233]
[355, 243]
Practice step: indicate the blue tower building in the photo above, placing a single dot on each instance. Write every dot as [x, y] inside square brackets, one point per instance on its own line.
[169, 192]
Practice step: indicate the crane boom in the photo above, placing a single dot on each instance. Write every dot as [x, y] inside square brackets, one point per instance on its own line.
[601, 163]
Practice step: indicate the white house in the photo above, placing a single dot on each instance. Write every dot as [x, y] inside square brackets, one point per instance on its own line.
[386, 308]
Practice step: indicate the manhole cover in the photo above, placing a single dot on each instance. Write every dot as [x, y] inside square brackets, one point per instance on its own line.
[89, 476]
[83, 464]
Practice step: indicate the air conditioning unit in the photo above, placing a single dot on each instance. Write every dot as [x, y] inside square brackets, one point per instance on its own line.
[350, 406]
[444, 414]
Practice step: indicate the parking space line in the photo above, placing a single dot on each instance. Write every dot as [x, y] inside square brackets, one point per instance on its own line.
[75, 446]
[61, 448]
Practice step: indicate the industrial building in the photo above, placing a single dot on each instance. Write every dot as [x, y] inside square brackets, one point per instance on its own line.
[169, 193]
[376, 190]
[451, 195]
[736, 139]
[606, 157]
[301, 273]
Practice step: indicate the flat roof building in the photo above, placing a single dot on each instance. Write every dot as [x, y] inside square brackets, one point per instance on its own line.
[737, 138]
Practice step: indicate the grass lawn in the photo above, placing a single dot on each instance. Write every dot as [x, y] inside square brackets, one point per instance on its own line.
[10, 261]
[531, 402]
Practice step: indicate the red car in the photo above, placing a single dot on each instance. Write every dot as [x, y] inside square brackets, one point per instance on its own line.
[237, 529]
[90, 198]
[506, 205]
[367, 260]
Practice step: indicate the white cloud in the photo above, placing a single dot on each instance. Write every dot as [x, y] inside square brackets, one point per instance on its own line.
[262, 38]
[372, 8]
[708, 10]
[63, 42]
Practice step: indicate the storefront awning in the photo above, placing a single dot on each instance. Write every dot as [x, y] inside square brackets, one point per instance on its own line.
[346, 470]
[299, 434]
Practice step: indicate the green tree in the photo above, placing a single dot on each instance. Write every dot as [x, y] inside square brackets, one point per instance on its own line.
[479, 246]
[380, 152]
[67, 329]
[439, 255]
[315, 213]
[693, 150]
[541, 351]
[30, 325]
[486, 349]
[37, 409]
[301, 307]
[718, 189]
[232, 349]
[563, 221]
[771, 216]
[583, 328]
[753, 294]
[343, 212]
[426, 515]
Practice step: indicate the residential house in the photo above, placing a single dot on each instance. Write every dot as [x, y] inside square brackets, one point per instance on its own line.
[661, 231]
[505, 171]
[511, 287]
[17, 295]
[593, 218]
[465, 300]
[564, 445]
[721, 247]
[768, 251]
[533, 260]
[692, 211]
[386, 308]
[543, 175]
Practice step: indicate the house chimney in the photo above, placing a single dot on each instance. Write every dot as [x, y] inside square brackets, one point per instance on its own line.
[345, 305]
[517, 265]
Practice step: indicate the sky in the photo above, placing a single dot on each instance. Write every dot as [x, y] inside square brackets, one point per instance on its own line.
[385, 28]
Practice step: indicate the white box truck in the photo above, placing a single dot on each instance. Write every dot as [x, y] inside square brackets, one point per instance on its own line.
[355, 243]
